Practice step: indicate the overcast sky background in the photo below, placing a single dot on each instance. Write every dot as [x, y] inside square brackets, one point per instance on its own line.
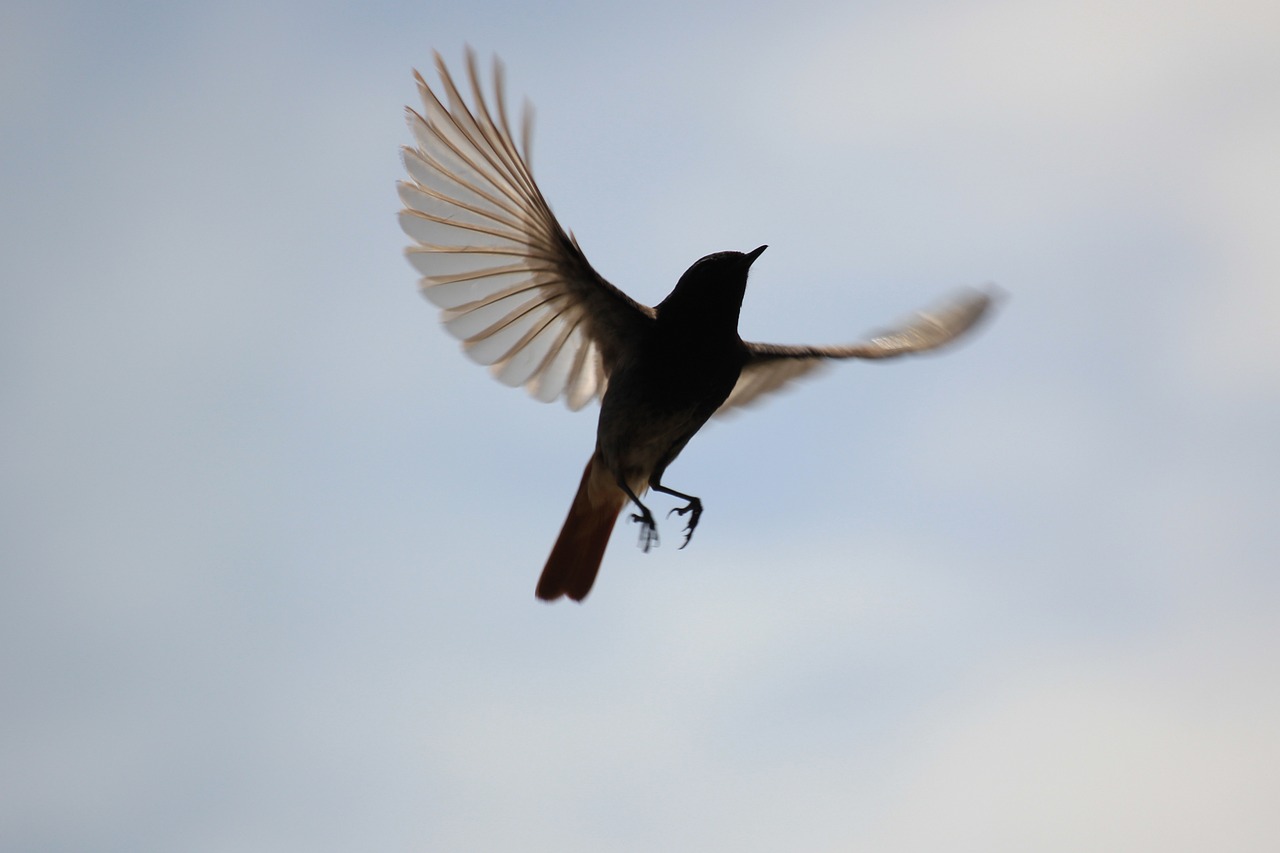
[270, 541]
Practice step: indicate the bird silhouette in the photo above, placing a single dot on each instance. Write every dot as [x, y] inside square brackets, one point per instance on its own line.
[519, 293]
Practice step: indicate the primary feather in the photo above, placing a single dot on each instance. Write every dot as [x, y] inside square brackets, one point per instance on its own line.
[513, 286]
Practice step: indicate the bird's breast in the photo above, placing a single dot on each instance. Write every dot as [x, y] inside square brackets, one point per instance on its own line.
[655, 403]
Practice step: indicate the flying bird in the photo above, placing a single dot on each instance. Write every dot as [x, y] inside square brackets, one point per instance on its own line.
[514, 286]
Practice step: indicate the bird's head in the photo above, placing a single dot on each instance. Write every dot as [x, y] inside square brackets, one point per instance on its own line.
[711, 290]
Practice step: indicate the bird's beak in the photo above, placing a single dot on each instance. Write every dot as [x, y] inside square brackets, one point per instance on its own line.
[753, 254]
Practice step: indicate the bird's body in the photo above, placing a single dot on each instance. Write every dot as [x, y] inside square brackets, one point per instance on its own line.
[523, 298]
[677, 374]
[662, 390]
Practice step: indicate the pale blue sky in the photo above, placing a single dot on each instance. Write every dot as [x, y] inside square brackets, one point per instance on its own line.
[269, 540]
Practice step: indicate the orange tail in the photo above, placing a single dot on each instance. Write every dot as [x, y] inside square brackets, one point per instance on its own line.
[571, 569]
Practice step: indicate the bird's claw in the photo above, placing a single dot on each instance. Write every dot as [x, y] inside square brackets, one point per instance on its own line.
[694, 510]
[648, 529]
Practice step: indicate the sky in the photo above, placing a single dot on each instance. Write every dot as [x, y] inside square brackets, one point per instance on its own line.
[268, 541]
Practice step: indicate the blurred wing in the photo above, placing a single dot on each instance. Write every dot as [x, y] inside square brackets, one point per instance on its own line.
[771, 366]
[512, 285]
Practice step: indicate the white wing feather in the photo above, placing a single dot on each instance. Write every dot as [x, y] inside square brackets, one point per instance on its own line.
[510, 283]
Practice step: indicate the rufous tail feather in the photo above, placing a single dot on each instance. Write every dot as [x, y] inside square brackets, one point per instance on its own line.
[571, 569]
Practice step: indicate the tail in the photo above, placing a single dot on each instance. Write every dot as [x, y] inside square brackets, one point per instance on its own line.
[571, 569]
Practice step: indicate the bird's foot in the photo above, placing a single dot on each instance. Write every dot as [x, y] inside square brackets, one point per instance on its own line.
[694, 510]
[648, 529]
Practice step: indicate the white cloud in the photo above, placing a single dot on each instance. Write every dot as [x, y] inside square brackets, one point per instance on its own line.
[1142, 749]
[1225, 341]
[1075, 69]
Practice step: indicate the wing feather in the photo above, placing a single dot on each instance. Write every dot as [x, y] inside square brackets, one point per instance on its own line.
[770, 367]
[511, 283]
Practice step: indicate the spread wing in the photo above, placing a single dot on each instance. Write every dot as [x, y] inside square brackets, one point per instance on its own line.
[770, 366]
[513, 286]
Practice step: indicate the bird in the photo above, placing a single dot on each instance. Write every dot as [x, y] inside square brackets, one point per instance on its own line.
[519, 293]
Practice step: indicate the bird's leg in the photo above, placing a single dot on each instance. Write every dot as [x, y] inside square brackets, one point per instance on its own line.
[693, 509]
[648, 527]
